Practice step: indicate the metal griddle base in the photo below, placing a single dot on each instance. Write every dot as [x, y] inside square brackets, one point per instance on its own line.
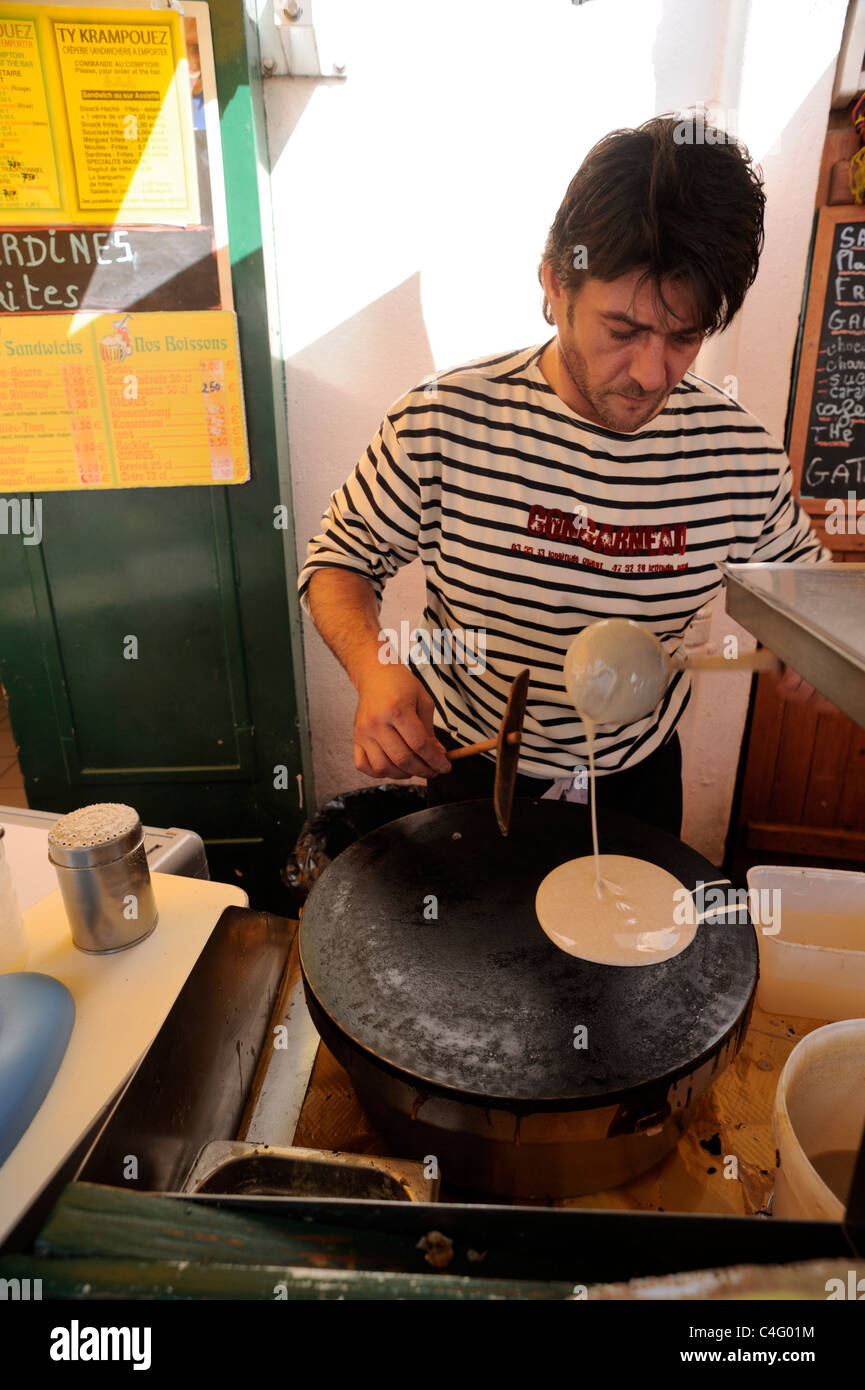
[733, 1117]
[459, 1033]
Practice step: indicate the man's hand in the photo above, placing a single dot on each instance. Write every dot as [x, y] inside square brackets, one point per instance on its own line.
[793, 688]
[393, 728]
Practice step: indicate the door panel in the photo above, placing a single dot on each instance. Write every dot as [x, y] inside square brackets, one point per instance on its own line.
[803, 794]
[793, 764]
[159, 575]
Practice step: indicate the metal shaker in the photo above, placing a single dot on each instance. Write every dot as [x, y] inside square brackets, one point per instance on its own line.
[101, 865]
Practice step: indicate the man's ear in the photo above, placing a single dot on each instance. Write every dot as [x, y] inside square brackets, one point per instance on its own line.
[552, 287]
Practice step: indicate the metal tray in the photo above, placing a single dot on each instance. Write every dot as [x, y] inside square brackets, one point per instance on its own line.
[233, 1168]
[813, 618]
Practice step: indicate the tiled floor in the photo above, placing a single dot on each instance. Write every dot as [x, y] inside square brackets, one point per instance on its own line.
[12, 791]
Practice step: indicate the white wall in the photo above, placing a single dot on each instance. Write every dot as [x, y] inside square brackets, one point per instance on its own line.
[411, 202]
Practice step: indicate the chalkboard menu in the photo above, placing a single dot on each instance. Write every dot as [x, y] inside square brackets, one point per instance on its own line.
[827, 440]
[62, 269]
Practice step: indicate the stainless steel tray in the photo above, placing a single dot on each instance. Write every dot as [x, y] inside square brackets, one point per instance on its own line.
[813, 618]
[262, 1170]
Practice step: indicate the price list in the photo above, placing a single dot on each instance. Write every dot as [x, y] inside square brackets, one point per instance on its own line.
[148, 400]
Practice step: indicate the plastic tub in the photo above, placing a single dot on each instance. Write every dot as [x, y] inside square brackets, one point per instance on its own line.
[819, 1106]
[809, 968]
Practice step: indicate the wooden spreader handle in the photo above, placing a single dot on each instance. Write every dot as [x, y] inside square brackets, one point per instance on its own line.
[761, 660]
[507, 745]
[485, 746]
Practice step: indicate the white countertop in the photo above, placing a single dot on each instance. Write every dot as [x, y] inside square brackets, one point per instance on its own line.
[121, 1002]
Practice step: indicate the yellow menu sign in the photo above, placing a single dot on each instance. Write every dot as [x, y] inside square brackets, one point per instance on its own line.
[95, 116]
[132, 400]
[29, 180]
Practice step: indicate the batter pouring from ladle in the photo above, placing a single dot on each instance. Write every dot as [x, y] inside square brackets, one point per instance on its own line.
[591, 476]
[614, 671]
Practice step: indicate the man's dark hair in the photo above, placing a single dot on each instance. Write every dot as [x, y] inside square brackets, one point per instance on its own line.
[675, 197]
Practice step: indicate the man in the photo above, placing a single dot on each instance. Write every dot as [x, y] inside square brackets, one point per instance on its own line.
[589, 477]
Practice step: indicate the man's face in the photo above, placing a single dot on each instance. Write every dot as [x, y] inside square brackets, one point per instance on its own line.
[620, 352]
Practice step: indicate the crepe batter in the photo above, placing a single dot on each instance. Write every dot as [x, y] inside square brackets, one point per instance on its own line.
[612, 909]
[840, 931]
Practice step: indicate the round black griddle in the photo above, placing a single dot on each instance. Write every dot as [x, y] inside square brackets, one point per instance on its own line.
[476, 1003]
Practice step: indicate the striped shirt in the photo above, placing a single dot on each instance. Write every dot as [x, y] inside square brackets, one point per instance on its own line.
[531, 522]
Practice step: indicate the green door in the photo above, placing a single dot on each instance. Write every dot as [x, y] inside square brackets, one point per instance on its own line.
[196, 722]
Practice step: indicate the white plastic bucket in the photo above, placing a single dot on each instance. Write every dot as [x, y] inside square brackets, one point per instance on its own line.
[816, 979]
[819, 1106]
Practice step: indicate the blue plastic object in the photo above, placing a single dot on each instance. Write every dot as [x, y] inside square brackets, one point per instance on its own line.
[36, 1017]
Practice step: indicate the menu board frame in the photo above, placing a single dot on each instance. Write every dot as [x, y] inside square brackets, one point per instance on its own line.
[810, 458]
[125, 270]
